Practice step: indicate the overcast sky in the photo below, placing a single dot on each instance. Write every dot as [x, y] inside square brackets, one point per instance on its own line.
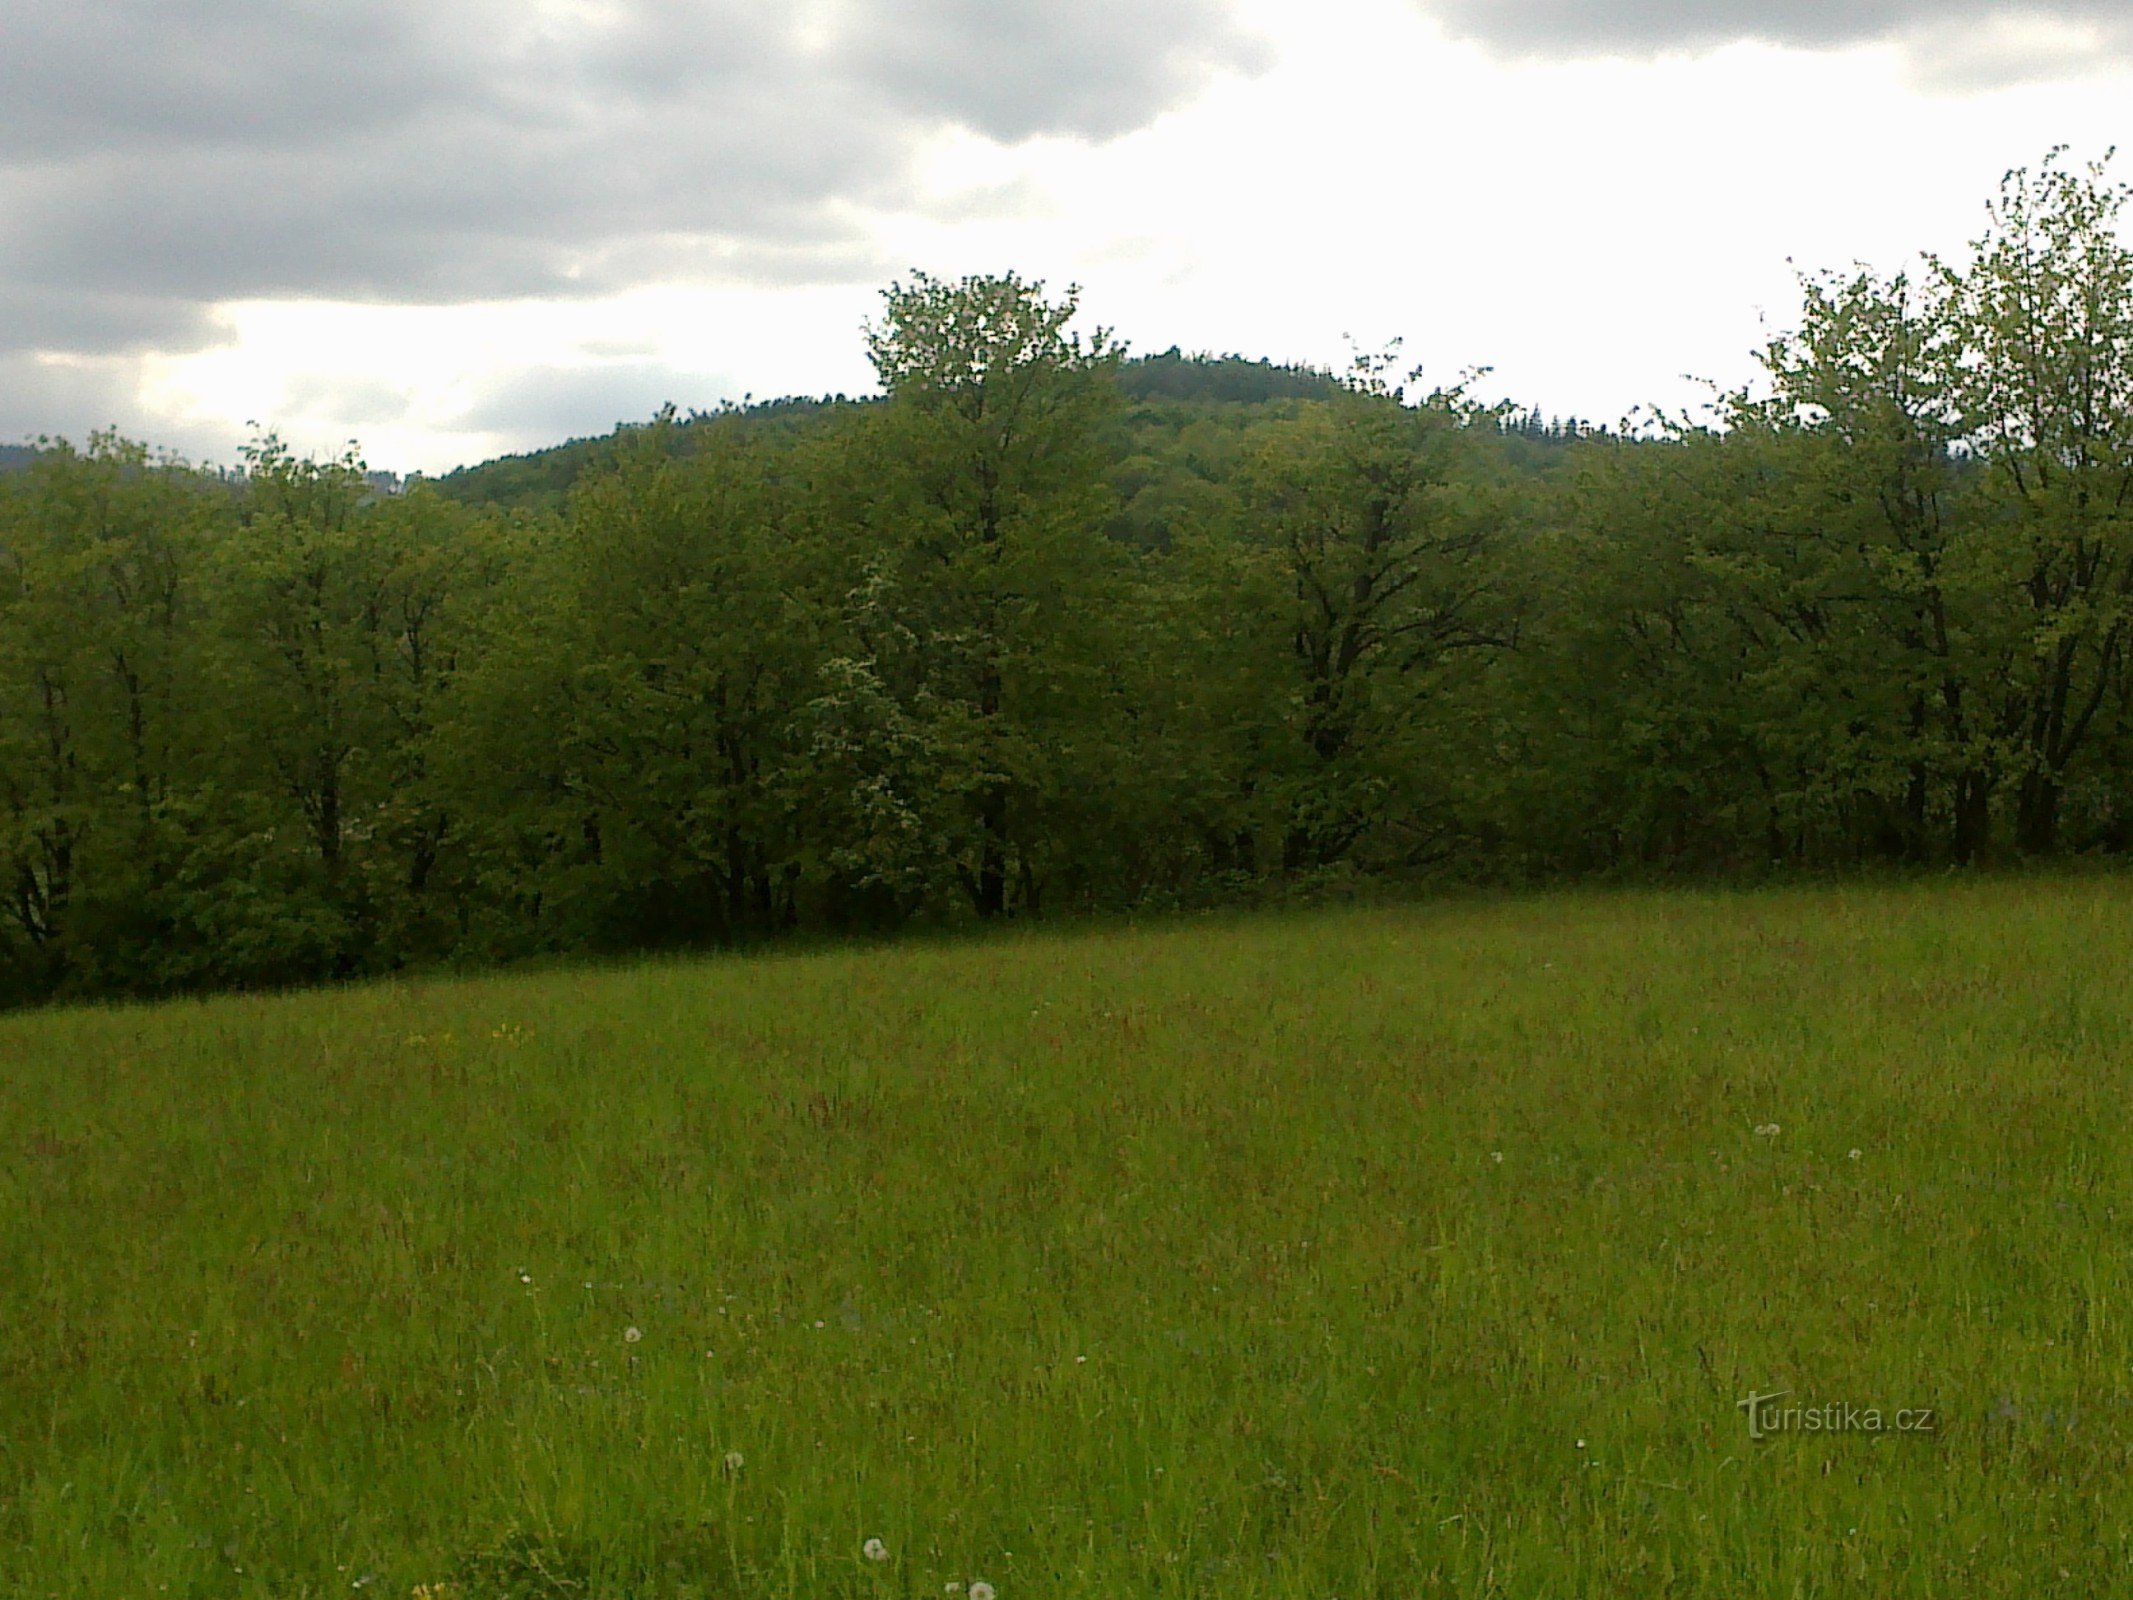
[450, 228]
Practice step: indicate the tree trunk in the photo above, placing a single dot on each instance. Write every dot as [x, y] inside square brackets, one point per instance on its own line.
[1973, 817]
[988, 885]
[329, 817]
[2037, 814]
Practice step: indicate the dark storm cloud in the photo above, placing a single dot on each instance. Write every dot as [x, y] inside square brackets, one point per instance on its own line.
[1936, 32]
[157, 156]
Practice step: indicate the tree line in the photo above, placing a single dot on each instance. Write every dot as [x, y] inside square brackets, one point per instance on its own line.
[1040, 632]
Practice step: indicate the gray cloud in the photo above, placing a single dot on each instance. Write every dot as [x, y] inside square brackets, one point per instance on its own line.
[69, 398]
[1092, 68]
[1941, 37]
[87, 322]
[158, 156]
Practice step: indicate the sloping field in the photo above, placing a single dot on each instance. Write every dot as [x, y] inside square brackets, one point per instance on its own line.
[1387, 1253]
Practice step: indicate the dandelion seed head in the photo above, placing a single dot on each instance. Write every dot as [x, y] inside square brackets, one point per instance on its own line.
[632, 1335]
[735, 1461]
[1852, 1156]
[874, 1550]
[1767, 1130]
[981, 1590]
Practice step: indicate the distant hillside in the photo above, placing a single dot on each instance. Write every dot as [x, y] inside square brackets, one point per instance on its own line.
[1228, 379]
[14, 457]
[544, 477]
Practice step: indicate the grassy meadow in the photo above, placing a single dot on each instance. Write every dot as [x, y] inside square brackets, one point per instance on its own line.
[1344, 1254]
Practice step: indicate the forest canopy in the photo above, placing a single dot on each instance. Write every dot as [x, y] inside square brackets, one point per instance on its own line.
[1048, 629]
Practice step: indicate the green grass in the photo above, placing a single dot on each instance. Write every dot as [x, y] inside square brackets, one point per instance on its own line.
[1386, 1253]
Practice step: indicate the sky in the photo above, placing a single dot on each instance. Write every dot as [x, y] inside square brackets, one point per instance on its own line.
[449, 229]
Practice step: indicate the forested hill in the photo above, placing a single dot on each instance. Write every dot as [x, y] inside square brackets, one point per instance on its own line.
[544, 477]
[1222, 380]
[13, 457]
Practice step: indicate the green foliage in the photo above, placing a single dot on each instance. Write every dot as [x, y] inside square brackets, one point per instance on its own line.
[1044, 629]
[640, 691]
[984, 621]
[1388, 573]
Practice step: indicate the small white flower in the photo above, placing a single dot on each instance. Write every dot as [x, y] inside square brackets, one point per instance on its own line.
[1496, 1156]
[981, 1590]
[632, 1335]
[1854, 1156]
[1078, 1360]
[1767, 1130]
[1581, 1444]
[525, 1277]
[874, 1550]
[820, 1324]
[953, 1586]
[735, 1461]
